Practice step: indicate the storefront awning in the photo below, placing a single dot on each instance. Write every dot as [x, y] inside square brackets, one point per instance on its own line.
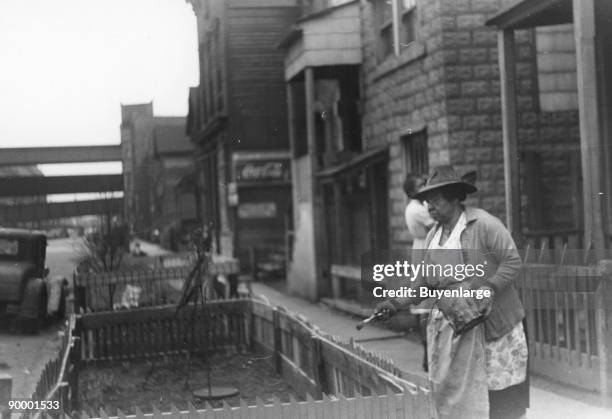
[533, 13]
[356, 163]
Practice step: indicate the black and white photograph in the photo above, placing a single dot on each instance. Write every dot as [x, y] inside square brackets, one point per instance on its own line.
[270, 209]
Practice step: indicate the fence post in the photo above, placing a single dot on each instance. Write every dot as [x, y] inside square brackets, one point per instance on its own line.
[250, 329]
[603, 299]
[75, 361]
[6, 389]
[318, 367]
[277, 340]
[78, 296]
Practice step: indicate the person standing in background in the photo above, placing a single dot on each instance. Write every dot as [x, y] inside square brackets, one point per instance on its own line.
[416, 215]
[419, 222]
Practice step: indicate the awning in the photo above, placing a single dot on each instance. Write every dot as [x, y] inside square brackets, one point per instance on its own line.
[533, 13]
[356, 163]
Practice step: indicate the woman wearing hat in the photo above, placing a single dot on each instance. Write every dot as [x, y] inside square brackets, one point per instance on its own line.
[477, 348]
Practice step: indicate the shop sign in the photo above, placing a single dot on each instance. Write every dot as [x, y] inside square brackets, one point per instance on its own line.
[257, 210]
[262, 170]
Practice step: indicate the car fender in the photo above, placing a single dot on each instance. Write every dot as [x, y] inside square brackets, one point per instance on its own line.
[34, 299]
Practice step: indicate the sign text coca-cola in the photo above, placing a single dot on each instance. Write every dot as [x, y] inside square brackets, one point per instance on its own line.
[248, 171]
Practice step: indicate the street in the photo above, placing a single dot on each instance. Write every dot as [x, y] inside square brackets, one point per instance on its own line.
[24, 356]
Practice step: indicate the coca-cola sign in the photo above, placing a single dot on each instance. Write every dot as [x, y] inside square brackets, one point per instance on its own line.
[249, 171]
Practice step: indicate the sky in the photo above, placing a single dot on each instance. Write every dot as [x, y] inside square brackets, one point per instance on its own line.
[67, 65]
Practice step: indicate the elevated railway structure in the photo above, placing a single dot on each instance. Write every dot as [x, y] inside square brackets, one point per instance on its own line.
[18, 210]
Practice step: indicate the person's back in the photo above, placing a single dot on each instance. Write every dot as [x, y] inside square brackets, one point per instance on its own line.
[416, 215]
[419, 222]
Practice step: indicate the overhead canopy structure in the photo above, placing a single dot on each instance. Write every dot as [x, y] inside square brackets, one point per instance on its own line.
[533, 13]
[52, 155]
[49, 185]
[56, 210]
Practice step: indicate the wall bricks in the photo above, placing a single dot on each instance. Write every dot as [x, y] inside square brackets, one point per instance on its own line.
[475, 88]
[456, 39]
[488, 104]
[460, 106]
[490, 6]
[473, 55]
[470, 21]
[485, 37]
[477, 121]
[455, 7]
[458, 72]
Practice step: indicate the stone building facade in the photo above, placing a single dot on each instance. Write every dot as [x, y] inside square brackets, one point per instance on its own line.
[442, 91]
[428, 94]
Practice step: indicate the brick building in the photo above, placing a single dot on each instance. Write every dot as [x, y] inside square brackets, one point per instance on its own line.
[427, 90]
[175, 198]
[146, 141]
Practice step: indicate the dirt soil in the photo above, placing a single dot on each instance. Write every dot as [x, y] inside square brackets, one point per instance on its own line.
[162, 383]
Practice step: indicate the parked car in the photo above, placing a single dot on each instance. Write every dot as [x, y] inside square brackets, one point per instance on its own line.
[24, 284]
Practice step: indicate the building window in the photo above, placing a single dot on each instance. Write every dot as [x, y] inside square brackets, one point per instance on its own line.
[416, 153]
[408, 25]
[390, 25]
[556, 61]
[383, 15]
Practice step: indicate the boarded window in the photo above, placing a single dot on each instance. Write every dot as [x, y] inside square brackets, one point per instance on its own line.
[556, 58]
[416, 153]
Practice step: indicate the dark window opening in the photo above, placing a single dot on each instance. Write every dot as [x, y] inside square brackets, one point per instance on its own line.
[416, 153]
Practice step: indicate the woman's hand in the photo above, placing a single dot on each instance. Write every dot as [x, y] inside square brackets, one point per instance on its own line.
[385, 310]
[485, 304]
[462, 312]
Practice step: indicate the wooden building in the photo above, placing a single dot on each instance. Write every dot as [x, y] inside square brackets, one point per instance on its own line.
[339, 196]
[238, 124]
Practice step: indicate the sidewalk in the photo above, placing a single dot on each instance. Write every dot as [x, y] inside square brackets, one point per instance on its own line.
[548, 400]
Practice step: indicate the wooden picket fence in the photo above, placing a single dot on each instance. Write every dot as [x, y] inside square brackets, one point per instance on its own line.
[314, 364]
[161, 284]
[566, 321]
[390, 405]
[161, 331]
[58, 376]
